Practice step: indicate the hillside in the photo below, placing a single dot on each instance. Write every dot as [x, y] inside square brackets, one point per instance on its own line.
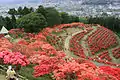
[73, 51]
[93, 42]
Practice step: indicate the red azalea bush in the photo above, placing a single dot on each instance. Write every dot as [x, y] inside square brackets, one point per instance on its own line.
[35, 45]
[116, 53]
[13, 58]
[75, 45]
[56, 41]
[68, 69]
[111, 71]
[102, 38]
[5, 44]
[16, 32]
[46, 62]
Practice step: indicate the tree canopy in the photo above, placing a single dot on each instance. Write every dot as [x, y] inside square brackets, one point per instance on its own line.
[52, 16]
[32, 22]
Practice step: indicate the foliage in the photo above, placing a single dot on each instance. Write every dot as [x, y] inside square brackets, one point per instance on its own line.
[32, 22]
[73, 18]
[13, 20]
[52, 16]
[83, 20]
[109, 22]
[41, 10]
[64, 17]
[8, 23]
[2, 22]
[12, 11]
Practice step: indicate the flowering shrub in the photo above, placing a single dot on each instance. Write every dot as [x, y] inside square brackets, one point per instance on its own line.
[116, 53]
[13, 58]
[111, 71]
[105, 55]
[23, 42]
[5, 44]
[58, 42]
[70, 69]
[75, 45]
[16, 32]
[101, 39]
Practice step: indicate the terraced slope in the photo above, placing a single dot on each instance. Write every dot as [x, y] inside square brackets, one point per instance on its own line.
[93, 42]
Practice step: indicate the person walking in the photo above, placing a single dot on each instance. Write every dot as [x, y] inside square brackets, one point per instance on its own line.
[11, 74]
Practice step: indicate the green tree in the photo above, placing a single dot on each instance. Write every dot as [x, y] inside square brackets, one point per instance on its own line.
[2, 22]
[74, 19]
[31, 9]
[64, 17]
[83, 20]
[20, 11]
[41, 10]
[13, 21]
[52, 16]
[32, 22]
[26, 11]
[8, 23]
[111, 22]
[12, 11]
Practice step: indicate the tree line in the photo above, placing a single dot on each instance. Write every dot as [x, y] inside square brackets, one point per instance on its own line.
[33, 20]
[110, 22]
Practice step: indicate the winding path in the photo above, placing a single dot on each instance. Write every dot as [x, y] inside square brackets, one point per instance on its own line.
[66, 45]
[83, 44]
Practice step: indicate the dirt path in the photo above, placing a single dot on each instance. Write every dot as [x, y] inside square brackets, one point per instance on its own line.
[84, 44]
[66, 45]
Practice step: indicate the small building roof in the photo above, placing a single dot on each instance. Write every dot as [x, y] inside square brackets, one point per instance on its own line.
[3, 30]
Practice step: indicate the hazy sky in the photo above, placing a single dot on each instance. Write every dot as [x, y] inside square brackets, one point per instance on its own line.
[18, 1]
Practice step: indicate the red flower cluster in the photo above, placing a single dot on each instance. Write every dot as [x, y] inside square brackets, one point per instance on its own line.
[16, 32]
[69, 69]
[75, 45]
[23, 42]
[111, 71]
[13, 58]
[58, 28]
[116, 53]
[5, 44]
[101, 39]
[56, 41]
[105, 55]
[46, 63]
